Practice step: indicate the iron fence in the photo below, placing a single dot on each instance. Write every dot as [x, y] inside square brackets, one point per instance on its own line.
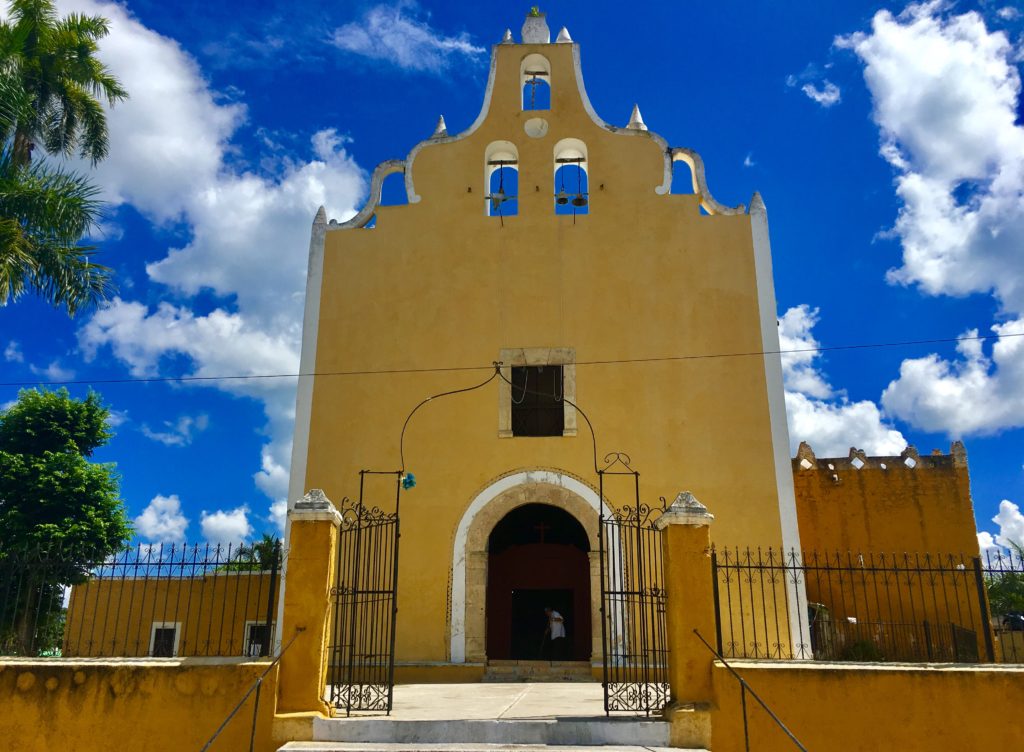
[867, 607]
[633, 598]
[1002, 573]
[361, 655]
[160, 600]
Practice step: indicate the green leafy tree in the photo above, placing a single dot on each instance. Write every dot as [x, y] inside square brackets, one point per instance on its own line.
[259, 556]
[49, 83]
[1006, 590]
[54, 61]
[60, 512]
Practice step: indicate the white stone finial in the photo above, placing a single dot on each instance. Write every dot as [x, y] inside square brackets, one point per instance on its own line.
[507, 39]
[563, 36]
[321, 217]
[636, 120]
[757, 204]
[441, 130]
[685, 510]
[535, 28]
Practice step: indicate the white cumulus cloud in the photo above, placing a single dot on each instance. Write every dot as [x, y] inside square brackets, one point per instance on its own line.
[13, 354]
[172, 157]
[946, 98]
[179, 432]
[975, 395]
[1011, 530]
[53, 372]
[389, 33]
[226, 526]
[162, 521]
[945, 95]
[828, 95]
[819, 414]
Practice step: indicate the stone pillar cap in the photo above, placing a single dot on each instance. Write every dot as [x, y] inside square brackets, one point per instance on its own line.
[314, 506]
[685, 510]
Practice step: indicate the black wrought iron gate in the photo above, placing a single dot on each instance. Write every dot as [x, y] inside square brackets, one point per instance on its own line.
[633, 630]
[361, 668]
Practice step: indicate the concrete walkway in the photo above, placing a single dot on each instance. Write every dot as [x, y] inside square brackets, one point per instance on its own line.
[463, 702]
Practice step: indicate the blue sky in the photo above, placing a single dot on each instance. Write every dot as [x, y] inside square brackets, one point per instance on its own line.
[886, 140]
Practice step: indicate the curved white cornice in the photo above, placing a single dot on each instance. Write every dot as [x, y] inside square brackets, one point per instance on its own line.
[671, 154]
[390, 167]
[689, 156]
[405, 165]
[700, 183]
[409, 189]
[666, 183]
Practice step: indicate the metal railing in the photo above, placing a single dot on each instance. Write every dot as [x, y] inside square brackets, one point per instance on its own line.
[867, 607]
[256, 686]
[744, 690]
[163, 600]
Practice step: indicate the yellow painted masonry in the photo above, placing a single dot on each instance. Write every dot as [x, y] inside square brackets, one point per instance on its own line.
[868, 708]
[907, 503]
[438, 283]
[159, 705]
[115, 617]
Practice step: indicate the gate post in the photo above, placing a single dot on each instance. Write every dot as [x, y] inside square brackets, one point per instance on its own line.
[690, 604]
[312, 546]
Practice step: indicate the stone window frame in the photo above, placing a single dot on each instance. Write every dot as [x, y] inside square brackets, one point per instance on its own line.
[246, 644]
[537, 356]
[175, 625]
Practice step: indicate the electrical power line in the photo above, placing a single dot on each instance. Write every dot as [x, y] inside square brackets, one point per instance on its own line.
[615, 361]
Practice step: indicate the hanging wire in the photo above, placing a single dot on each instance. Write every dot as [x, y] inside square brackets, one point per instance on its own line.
[593, 437]
[445, 369]
[579, 189]
[501, 192]
[526, 381]
[401, 438]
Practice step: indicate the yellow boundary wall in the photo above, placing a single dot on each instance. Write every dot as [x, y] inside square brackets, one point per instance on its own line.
[91, 705]
[953, 708]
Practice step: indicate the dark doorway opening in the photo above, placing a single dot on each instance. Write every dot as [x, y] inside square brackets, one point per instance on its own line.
[529, 622]
[537, 558]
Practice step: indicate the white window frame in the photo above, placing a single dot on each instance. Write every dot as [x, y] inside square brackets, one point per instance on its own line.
[175, 625]
[245, 636]
[537, 356]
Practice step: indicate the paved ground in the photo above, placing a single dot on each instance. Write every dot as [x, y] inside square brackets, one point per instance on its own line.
[455, 702]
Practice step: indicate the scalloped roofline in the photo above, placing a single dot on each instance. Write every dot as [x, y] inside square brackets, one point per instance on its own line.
[405, 166]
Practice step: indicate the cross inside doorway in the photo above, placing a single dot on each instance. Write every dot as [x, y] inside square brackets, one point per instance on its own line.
[541, 528]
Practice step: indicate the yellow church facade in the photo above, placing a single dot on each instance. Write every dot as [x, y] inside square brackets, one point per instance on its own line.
[621, 298]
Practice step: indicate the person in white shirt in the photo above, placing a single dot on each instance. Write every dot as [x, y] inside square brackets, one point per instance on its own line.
[555, 634]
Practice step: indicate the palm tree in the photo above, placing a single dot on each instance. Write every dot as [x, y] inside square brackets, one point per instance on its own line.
[54, 61]
[258, 556]
[44, 212]
[47, 70]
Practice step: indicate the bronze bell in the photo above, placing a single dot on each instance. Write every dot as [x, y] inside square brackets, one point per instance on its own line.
[580, 200]
[562, 198]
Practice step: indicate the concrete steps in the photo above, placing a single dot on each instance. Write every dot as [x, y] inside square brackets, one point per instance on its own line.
[343, 747]
[561, 731]
[538, 671]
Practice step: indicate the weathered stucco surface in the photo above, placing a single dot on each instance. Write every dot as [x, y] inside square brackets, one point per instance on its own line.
[870, 708]
[905, 503]
[158, 705]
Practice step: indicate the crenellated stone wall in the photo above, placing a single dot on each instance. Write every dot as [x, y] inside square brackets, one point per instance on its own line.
[904, 503]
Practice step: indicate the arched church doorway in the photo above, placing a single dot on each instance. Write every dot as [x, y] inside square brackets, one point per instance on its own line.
[537, 558]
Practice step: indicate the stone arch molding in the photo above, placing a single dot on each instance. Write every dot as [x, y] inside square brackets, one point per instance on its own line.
[469, 554]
